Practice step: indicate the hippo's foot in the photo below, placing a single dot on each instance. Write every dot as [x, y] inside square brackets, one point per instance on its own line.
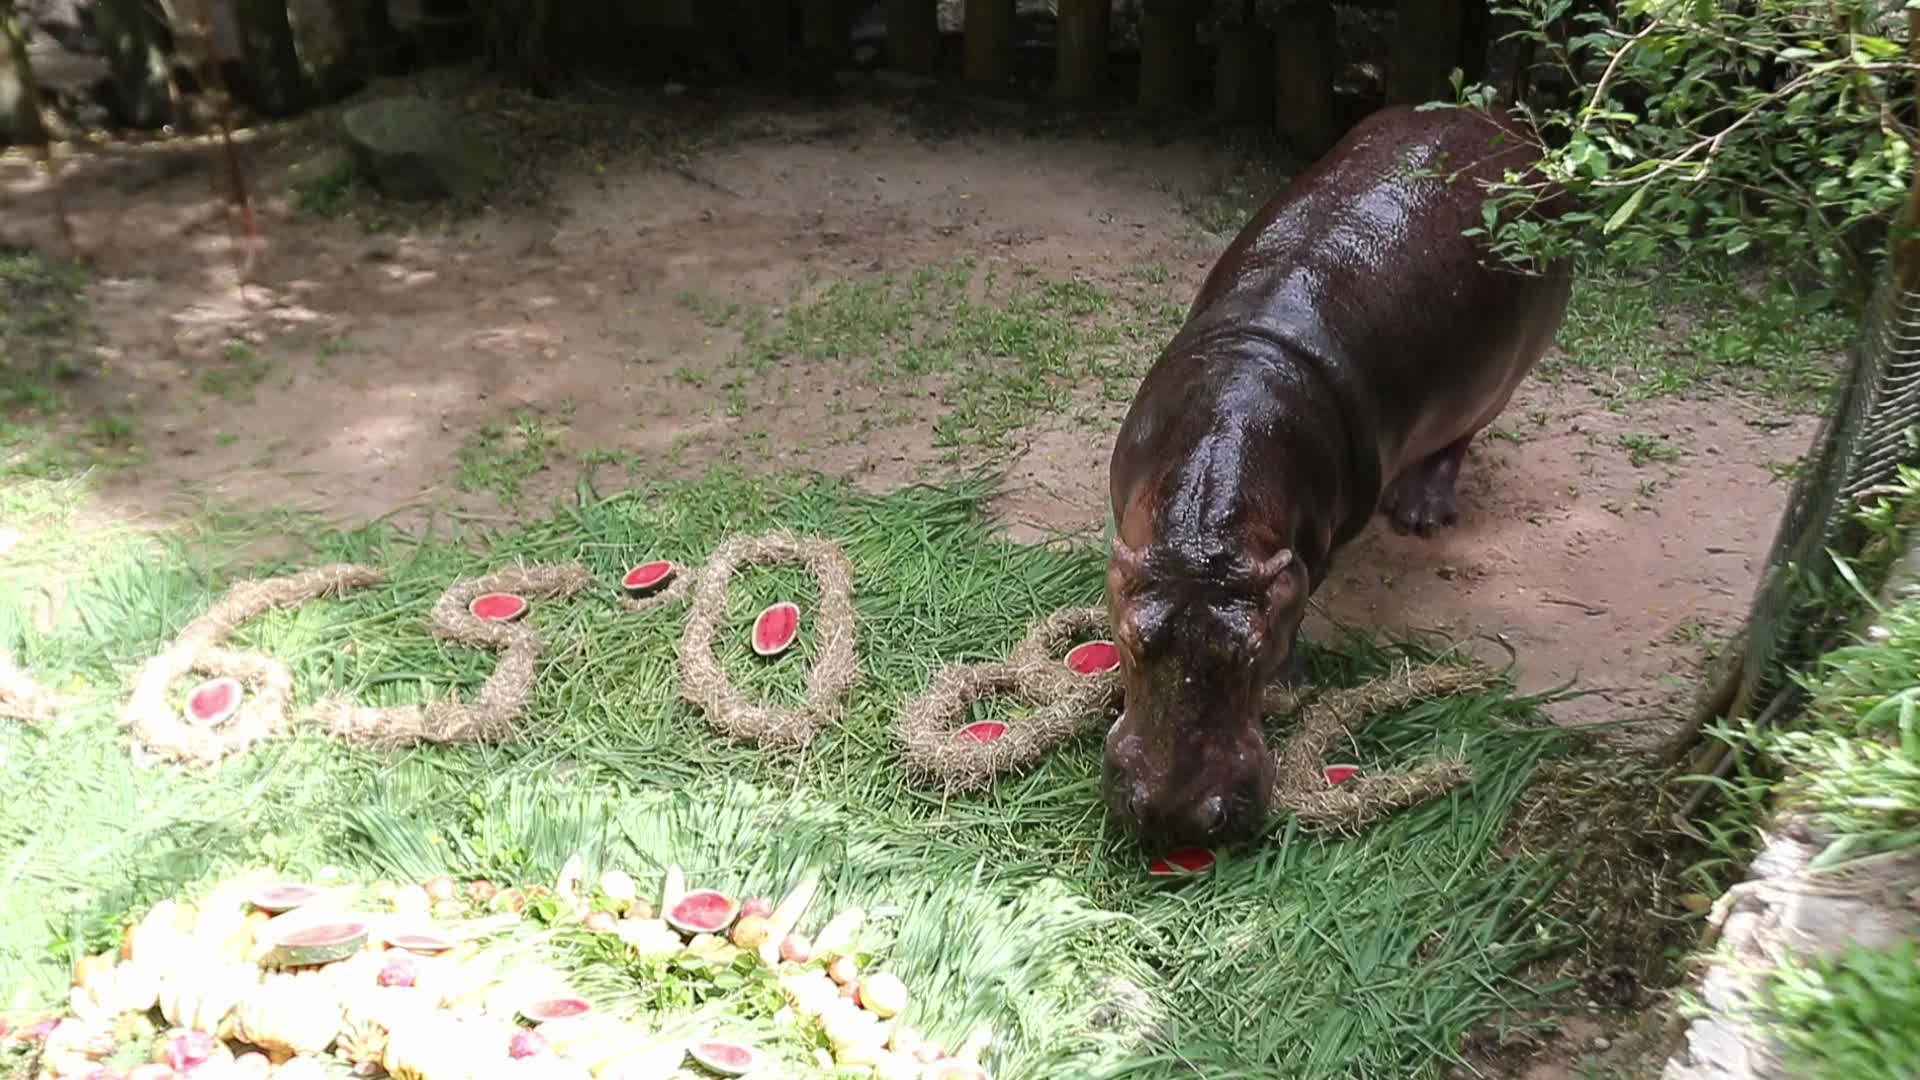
[1421, 500]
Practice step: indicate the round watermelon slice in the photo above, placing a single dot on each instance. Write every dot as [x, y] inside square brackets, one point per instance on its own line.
[776, 628]
[497, 607]
[1093, 658]
[725, 1057]
[275, 899]
[320, 943]
[1339, 774]
[213, 701]
[702, 911]
[1181, 861]
[648, 577]
[981, 731]
[418, 942]
[561, 1008]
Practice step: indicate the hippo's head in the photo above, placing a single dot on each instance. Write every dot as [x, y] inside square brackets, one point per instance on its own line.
[1187, 762]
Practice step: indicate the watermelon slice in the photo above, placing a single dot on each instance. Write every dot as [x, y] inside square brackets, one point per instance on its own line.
[213, 701]
[724, 1057]
[321, 943]
[1339, 774]
[497, 607]
[1093, 657]
[776, 628]
[561, 1008]
[1181, 861]
[702, 911]
[418, 942]
[981, 731]
[648, 577]
[275, 899]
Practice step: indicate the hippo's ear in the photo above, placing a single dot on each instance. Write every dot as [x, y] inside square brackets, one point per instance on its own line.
[1274, 578]
[1125, 564]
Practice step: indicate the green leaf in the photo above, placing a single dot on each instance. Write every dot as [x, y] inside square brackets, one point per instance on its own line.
[1622, 214]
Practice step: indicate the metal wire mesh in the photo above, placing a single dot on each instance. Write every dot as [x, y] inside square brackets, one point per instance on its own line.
[1861, 444]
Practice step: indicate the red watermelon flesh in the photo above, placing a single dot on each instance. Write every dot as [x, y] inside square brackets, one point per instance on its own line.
[1340, 774]
[214, 700]
[1181, 860]
[497, 606]
[563, 1008]
[420, 943]
[776, 628]
[725, 1058]
[278, 898]
[648, 575]
[982, 731]
[1093, 657]
[702, 911]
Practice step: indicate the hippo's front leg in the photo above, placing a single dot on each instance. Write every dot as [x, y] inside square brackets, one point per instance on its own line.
[1421, 499]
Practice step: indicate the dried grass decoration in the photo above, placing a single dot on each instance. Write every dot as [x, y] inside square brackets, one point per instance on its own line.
[964, 759]
[160, 730]
[21, 697]
[502, 697]
[835, 670]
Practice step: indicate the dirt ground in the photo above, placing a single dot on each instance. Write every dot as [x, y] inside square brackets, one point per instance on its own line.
[355, 372]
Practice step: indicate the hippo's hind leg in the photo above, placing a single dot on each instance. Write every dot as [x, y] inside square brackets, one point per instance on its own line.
[1421, 499]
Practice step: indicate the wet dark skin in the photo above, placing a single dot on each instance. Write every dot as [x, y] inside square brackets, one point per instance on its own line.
[1338, 360]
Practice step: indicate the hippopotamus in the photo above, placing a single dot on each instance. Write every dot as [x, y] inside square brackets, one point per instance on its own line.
[1337, 361]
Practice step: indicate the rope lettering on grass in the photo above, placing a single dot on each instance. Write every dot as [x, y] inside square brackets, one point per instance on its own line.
[504, 695]
[835, 670]
[1300, 784]
[967, 759]
[159, 729]
[21, 697]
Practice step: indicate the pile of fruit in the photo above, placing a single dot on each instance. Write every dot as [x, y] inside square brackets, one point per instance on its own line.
[427, 982]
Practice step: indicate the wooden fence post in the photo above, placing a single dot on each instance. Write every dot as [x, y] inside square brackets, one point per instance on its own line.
[826, 31]
[913, 35]
[1080, 58]
[989, 45]
[1304, 45]
[1428, 43]
[1169, 47]
[1243, 68]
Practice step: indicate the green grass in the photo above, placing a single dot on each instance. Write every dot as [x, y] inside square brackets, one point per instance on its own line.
[1697, 332]
[1000, 351]
[1020, 907]
[501, 458]
[43, 343]
[1851, 1016]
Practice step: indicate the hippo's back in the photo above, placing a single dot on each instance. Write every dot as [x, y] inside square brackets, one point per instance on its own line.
[1360, 263]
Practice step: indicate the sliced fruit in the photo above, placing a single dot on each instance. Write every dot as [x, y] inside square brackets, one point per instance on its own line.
[284, 897]
[1340, 774]
[419, 941]
[703, 911]
[561, 1008]
[648, 577]
[756, 905]
[322, 943]
[1181, 861]
[1093, 657]
[981, 731]
[776, 628]
[213, 701]
[724, 1057]
[497, 607]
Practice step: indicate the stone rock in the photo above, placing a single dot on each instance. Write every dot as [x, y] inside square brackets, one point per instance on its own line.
[412, 148]
[321, 176]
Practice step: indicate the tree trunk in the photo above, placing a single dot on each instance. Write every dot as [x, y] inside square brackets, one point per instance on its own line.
[139, 46]
[20, 123]
[275, 84]
[988, 29]
[913, 36]
[1428, 36]
[371, 37]
[1243, 68]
